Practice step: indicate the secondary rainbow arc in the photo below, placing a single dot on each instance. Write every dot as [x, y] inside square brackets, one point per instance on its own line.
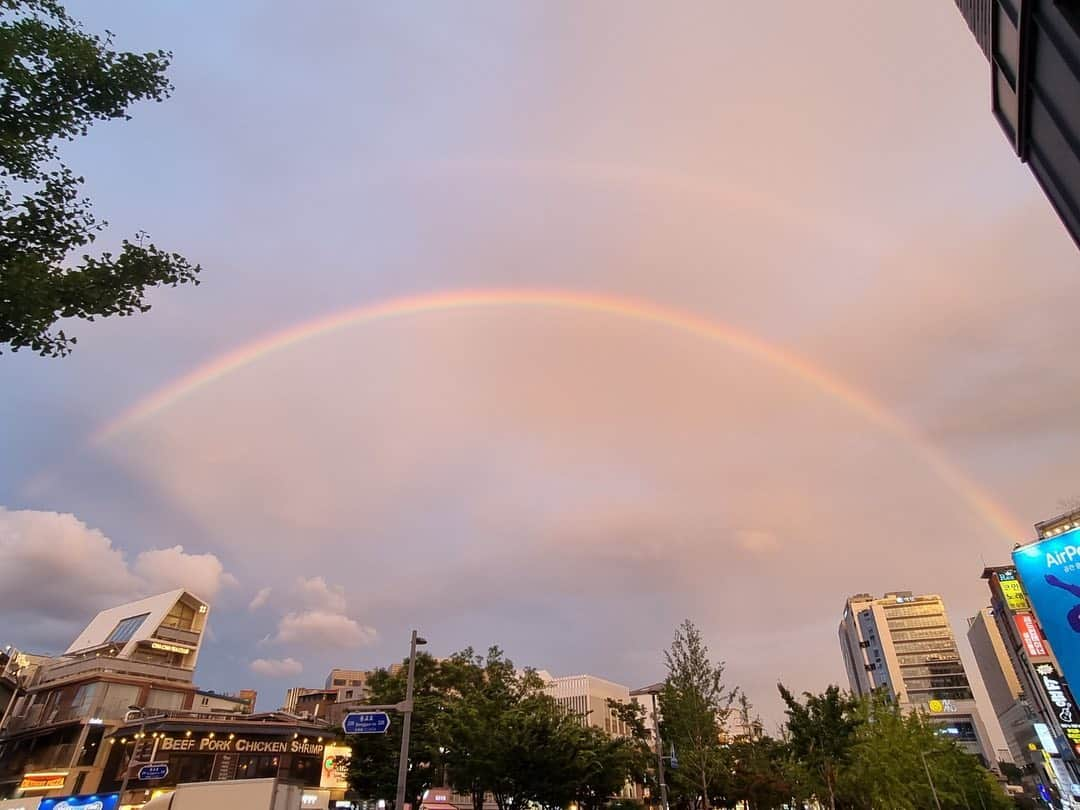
[615, 306]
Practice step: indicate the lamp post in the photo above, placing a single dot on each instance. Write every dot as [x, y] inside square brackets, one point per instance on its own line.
[403, 759]
[653, 691]
[134, 747]
[937, 802]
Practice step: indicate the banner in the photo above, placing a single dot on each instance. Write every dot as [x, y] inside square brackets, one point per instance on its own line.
[1050, 573]
[1029, 632]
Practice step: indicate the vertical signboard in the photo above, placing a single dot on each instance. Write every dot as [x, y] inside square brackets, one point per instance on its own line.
[1061, 698]
[1050, 572]
[1012, 591]
[1029, 632]
[335, 767]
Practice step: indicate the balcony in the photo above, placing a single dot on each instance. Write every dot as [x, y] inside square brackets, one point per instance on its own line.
[89, 666]
[188, 638]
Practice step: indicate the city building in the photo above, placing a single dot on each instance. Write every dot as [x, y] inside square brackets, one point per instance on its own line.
[292, 697]
[1033, 48]
[1047, 741]
[587, 697]
[243, 702]
[137, 657]
[346, 678]
[200, 747]
[902, 643]
[1003, 686]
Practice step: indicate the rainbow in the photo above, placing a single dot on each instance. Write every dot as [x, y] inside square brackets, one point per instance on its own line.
[644, 312]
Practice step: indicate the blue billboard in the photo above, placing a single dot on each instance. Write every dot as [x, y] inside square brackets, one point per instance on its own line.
[1050, 571]
[99, 801]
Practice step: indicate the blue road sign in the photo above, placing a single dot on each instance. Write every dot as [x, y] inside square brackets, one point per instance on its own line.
[155, 770]
[366, 723]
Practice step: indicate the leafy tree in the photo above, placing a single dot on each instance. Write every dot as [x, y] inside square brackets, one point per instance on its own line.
[373, 769]
[55, 81]
[894, 751]
[483, 689]
[1013, 775]
[695, 705]
[821, 736]
[606, 763]
[759, 777]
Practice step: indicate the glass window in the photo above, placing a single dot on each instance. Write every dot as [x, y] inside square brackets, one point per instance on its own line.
[959, 730]
[162, 699]
[123, 631]
[181, 617]
[90, 747]
[118, 698]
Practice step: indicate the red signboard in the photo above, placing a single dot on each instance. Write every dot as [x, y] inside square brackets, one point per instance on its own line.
[1029, 632]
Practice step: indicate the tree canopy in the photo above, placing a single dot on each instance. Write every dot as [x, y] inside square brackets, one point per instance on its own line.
[494, 733]
[56, 80]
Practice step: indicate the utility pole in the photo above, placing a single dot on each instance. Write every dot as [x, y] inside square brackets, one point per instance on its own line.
[653, 691]
[134, 748]
[403, 760]
[937, 802]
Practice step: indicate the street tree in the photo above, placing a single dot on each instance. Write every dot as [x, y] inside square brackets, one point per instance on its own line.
[56, 80]
[821, 735]
[373, 769]
[759, 776]
[897, 754]
[695, 705]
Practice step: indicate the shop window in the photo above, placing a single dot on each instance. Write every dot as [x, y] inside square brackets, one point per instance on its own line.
[257, 767]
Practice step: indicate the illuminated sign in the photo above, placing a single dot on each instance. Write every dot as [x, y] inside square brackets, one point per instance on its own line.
[939, 706]
[1045, 738]
[99, 801]
[1012, 591]
[1061, 698]
[1029, 632]
[52, 780]
[240, 745]
[335, 767]
[1050, 572]
[176, 648]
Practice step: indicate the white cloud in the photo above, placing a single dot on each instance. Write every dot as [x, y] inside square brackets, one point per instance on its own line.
[317, 628]
[82, 568]
[260, 599]
[84, 573]
[316, 594]
[166, 568]
[276, 667]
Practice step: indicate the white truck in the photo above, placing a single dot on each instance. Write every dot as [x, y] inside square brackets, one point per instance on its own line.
[238, 794]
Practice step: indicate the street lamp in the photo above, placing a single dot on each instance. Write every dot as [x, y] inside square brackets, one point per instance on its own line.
[654, 690]
[403, 760]
[134, 746]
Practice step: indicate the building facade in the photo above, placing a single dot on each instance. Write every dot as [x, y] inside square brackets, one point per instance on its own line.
[134, 659]
[902, 643]
[587, 697]
[1033, 47]
[1007, 697]
[200, 747]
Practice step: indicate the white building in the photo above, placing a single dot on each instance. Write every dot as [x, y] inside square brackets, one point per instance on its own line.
[903, 643]
[587, 696]
[141, 654]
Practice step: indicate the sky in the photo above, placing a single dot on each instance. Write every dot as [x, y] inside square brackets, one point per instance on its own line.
[862, 376]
